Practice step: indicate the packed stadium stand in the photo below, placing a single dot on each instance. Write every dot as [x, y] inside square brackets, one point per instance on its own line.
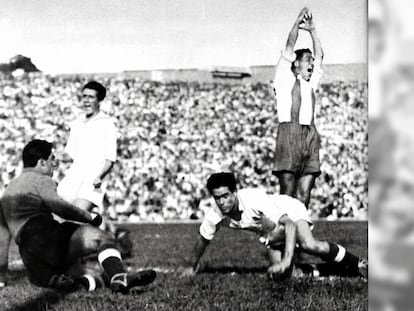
[173, 134]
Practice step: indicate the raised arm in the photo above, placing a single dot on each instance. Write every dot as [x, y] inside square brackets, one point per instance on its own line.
[284, 78]
[293, 34]
[308, 25]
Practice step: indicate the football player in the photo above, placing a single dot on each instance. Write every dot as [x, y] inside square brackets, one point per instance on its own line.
[92, 147]
[280, 220]
[49, 249]
[298, 73]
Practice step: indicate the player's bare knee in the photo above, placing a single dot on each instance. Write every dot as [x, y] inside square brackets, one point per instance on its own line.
[92, 238]
[308, 245]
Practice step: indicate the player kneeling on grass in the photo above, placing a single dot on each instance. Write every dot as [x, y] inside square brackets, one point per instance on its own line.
[49, 249]
[278, 219]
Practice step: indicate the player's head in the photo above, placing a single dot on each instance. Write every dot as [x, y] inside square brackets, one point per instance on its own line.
[98, 87]
[303, 64]
[222, 186]
[38, 154]
[92, 94]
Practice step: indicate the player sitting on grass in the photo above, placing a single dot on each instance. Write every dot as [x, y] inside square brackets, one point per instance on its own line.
[48, 248]
[278, 219]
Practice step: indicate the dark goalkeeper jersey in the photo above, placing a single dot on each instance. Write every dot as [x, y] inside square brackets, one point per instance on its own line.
[29, 195]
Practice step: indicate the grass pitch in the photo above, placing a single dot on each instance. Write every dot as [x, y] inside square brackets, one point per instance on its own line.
[232, 278]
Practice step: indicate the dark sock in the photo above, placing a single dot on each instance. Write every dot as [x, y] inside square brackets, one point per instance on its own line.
[333, 252]
[350, 260]
[89, 282]
[339, 254]
[110, 260]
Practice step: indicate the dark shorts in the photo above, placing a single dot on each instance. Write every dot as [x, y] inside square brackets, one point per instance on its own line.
[297, 149]
[43, 244]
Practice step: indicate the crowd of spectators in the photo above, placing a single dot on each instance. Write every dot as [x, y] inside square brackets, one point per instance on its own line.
[172, 135]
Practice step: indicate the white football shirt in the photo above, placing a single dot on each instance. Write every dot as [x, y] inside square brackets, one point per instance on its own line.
[283, 83]
[257, 209]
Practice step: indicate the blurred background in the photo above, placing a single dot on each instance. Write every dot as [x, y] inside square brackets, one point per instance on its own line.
[391, 154]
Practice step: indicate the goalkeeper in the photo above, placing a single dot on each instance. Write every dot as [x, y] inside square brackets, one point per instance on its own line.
[48, 248]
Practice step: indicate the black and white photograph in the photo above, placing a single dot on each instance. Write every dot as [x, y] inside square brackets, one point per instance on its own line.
[191, 155]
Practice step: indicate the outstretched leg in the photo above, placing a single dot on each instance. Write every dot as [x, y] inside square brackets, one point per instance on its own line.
[328, 251]
[87, 241]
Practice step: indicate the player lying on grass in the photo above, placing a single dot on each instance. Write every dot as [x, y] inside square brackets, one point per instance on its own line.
[279, 220]
[49, 249]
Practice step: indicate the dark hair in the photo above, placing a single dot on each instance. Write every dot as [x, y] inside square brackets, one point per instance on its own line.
[35, 150]
[99, 88]
[223, 179]
[299, 54]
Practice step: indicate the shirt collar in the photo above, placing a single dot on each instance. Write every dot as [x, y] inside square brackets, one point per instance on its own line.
[99, 115]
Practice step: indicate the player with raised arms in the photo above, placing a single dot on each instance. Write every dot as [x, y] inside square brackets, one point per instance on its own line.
[50, 249]
[280, 220]
[297, 76]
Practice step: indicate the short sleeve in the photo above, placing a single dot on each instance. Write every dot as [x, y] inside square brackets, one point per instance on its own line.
[209, 226]
[283, 73]
[290, 57]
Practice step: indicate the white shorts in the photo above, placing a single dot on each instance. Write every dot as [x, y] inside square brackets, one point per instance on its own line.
[73, 187]
[295, 210]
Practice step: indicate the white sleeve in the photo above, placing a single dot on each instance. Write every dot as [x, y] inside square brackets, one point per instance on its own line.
[209, 226]
[283, 73]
